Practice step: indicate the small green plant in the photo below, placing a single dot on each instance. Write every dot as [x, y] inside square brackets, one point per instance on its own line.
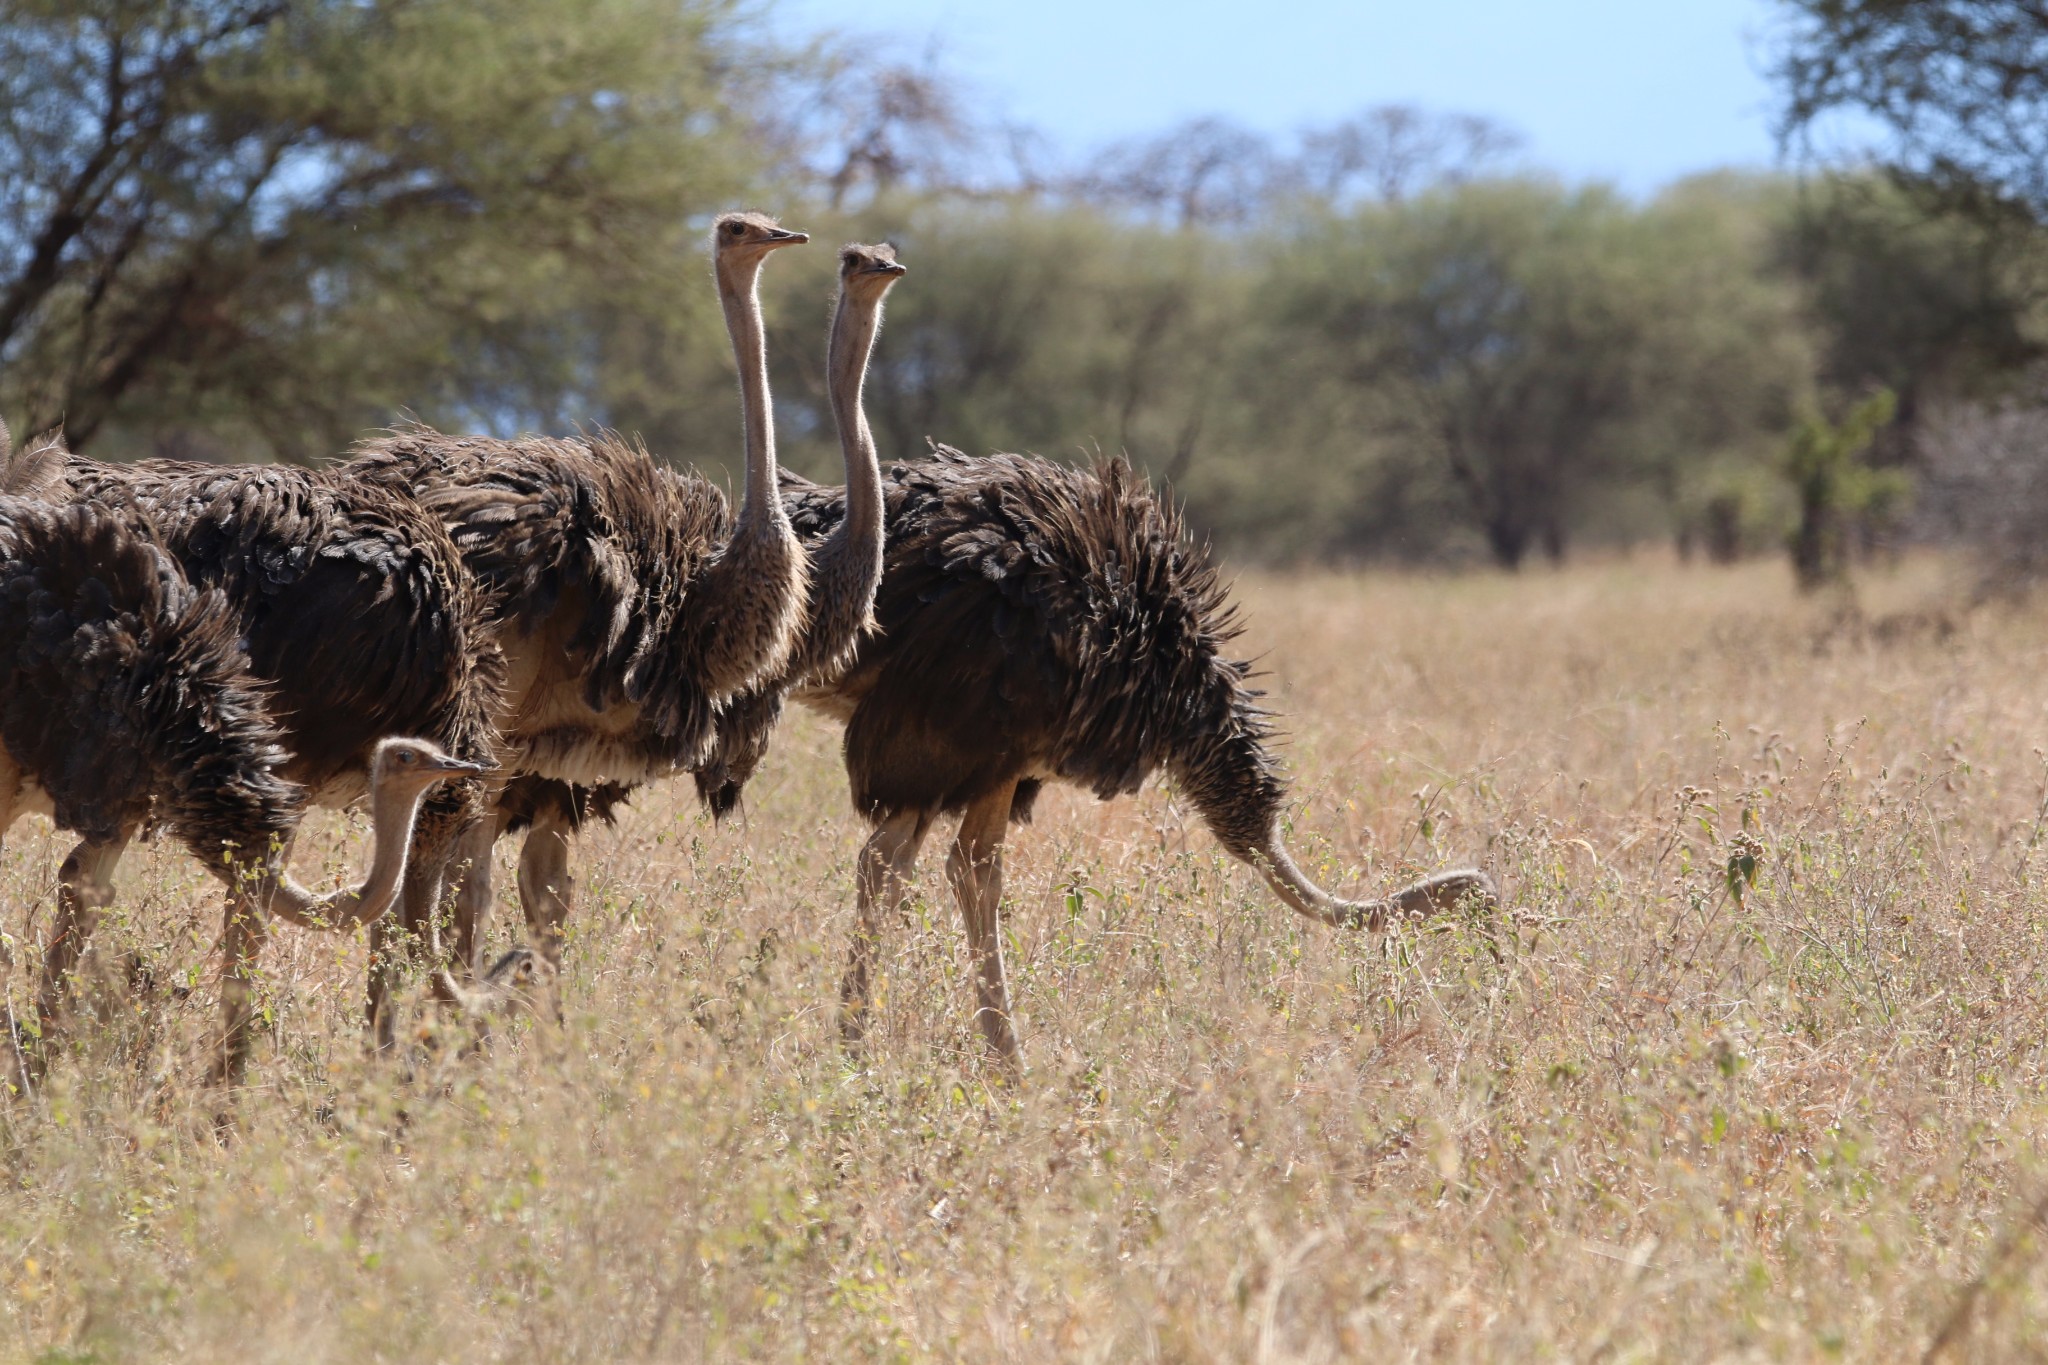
[1834, 486]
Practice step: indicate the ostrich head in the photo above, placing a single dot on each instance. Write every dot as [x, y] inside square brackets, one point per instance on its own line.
[745, 239]
[409, 765]
[868, 271]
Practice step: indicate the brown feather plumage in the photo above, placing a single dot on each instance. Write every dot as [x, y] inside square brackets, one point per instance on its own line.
[1036, 620]
[590, 542]
[124, 691]
[356, 606]
[356, 612]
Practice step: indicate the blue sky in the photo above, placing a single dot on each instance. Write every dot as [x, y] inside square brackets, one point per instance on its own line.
[1638, 92]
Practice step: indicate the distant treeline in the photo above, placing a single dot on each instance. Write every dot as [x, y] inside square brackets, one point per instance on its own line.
[254, 228]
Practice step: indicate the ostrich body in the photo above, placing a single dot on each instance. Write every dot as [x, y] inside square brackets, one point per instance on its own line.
[1040, 623]
[126, 699]
[633, 603]
[357, 613]
[845, 570]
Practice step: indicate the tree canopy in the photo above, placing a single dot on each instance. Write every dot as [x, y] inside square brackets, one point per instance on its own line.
[1961, 86]
[254, 228]
[284, 213]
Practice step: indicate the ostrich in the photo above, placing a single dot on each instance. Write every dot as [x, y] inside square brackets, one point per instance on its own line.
[358, 615]
[634, 603]
[1041, 623]
[402, 771]
[846, 566]
[1036, 623]
[126, 699]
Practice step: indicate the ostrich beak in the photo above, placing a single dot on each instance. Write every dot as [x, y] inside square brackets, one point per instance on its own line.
[454, 766]
[784, 237]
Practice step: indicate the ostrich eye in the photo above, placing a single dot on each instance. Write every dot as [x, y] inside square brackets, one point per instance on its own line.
[736, 229]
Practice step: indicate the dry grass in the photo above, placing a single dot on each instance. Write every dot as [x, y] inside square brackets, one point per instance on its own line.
[1667, 1120]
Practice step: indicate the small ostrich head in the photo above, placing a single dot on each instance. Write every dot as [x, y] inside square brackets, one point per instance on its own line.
[747, 238]
[868, 271]
[411, 765]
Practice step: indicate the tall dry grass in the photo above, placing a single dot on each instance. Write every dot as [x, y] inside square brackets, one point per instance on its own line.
[1796, 1122]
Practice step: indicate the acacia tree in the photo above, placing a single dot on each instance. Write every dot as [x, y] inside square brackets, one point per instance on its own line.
[1035, 328]
[1550, 350]
[1834, 484]
[1496, 323]
[1928, 302]
[1393, 151]
[1960, 85]
[1207, 172]
[292, 215]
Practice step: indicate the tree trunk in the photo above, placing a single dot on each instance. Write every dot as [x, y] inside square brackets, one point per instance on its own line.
[1509, 541]
[1816, 544]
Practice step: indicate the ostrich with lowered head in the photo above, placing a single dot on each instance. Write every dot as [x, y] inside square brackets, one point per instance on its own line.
[634, 604]
[1038, 623]
[358, 616]
[846, 567]
[126, 699]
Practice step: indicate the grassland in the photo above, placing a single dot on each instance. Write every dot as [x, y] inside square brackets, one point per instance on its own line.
[1657, 1118]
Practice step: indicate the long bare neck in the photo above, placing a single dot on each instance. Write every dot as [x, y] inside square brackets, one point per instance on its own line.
[739, 295]
[854, 326]
[392, 815]
[755, 586]
[850, 561]
[1434, 895]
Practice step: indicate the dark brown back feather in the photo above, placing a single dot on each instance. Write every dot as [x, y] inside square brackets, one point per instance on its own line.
[595, 526]
[124, 691]
[354, 604]
[1033, 618]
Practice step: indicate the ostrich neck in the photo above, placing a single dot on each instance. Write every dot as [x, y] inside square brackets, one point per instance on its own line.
[755, 584]
[1433, 895]
[1293, 887]
[392, 814]
[851, 558]
[739, 296]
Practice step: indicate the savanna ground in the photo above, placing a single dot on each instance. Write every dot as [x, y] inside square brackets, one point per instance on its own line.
[1665, 1119]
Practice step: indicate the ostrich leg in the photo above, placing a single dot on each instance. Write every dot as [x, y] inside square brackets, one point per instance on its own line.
[546, 890]
[473, 903]
[85, 888]
[886, 861]
[248, 925]
[976, 869]
[545, 886]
